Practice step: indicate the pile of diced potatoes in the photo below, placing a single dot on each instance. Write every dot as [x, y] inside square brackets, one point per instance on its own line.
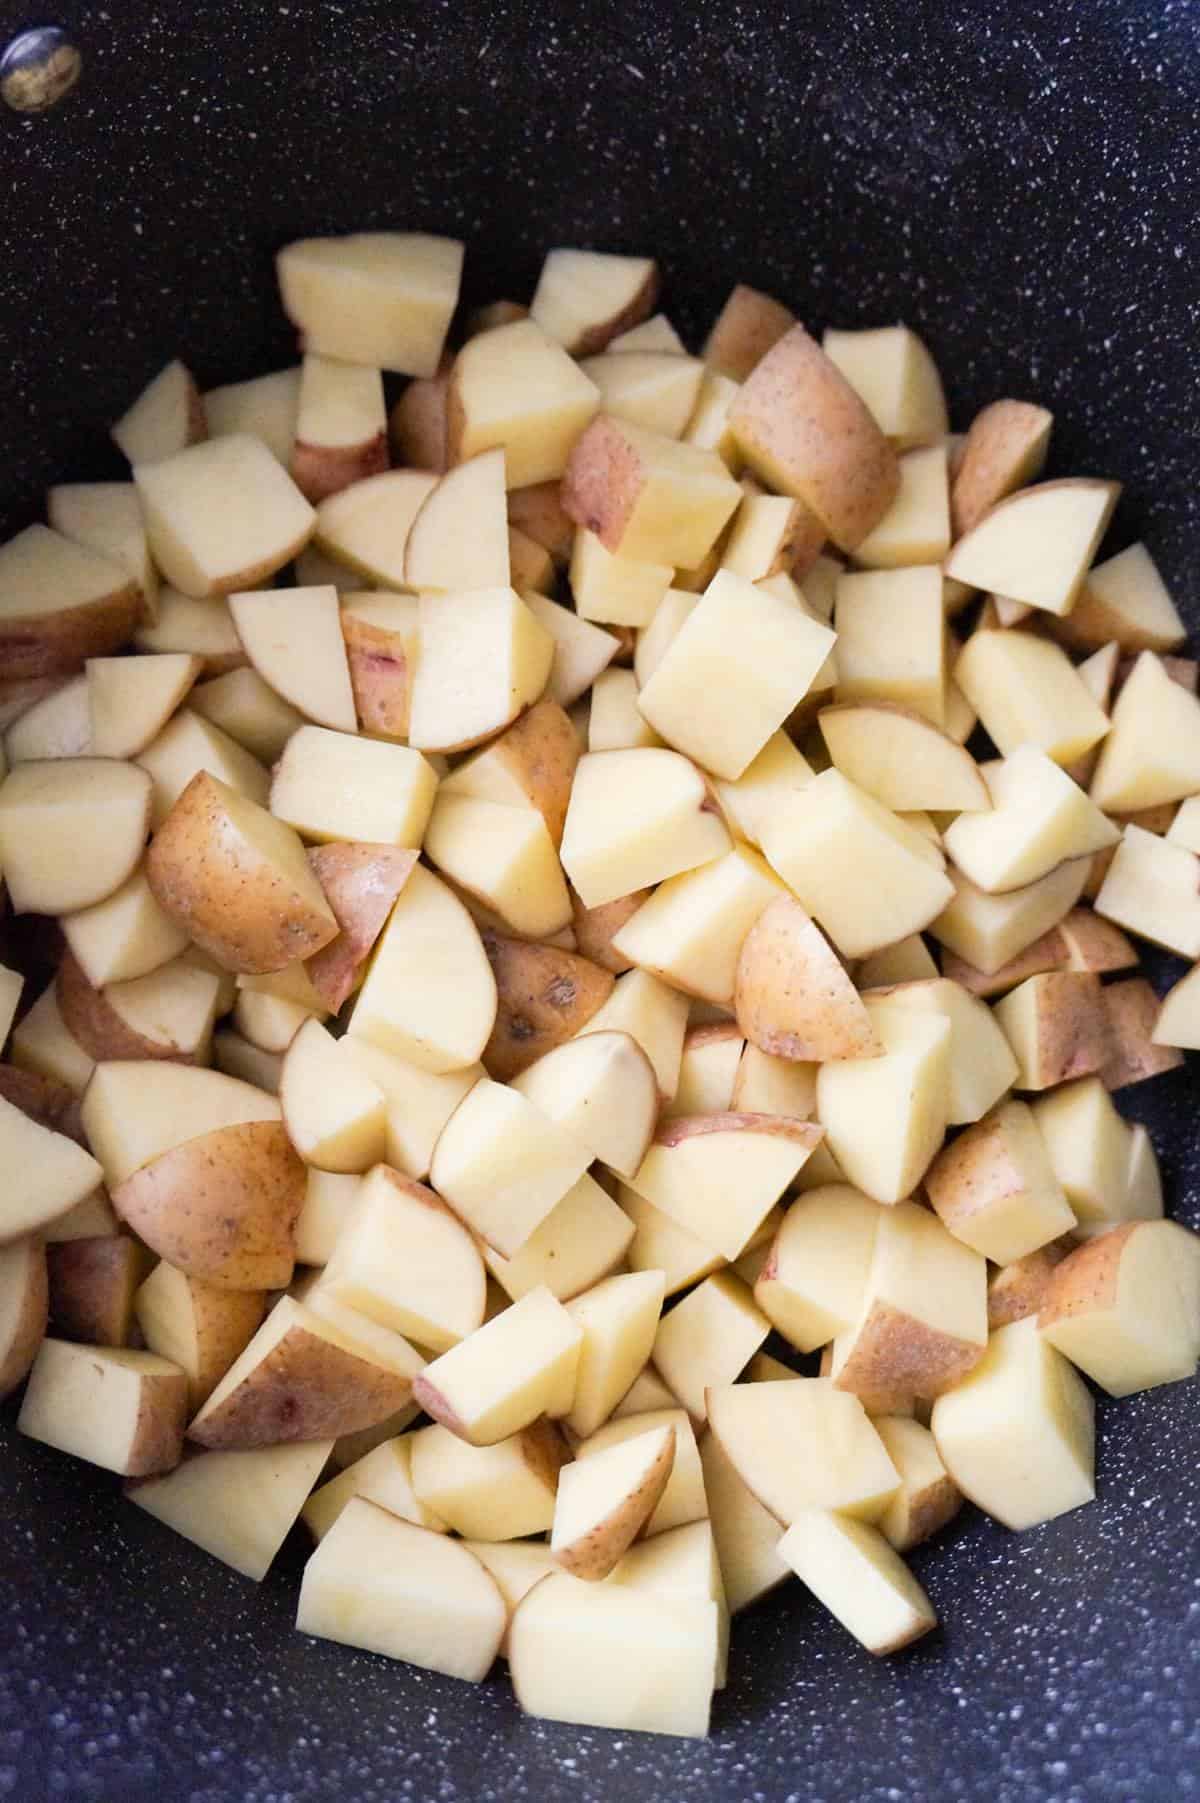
[629, 855]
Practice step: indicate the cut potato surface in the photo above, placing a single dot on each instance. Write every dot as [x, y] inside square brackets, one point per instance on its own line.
[71, 831]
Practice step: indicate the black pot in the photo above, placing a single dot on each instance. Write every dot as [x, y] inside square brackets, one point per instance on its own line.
[1019, 182]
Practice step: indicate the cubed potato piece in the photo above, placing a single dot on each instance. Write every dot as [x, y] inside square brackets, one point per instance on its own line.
[615, 590]
[47, 1173]
[618, 1319]
[221, 515]
[106, 517]
[780, 650]
[167, 415]
[341, 427]
[885, 1117]
[646, 1393]
[923, 1323]
[1152, 888]
[198, 1326]
[531, 765]
[867, 877]
[982, 1064]
[661, 1244]
[499, 1379]
[770, 535]
[505, 857]
[1017, 1435]
[891, 639]
[381, 1583]
[237, 880]
[991, 932]
[23, 1308]
[604, 1502]
[601, 1089]
[581, 1240]
[334, 1112]
[765, 1084]
[814, 1280]
[125, 936]
[329, 1198]
[995, 1187]
[366, 526]
[928, 1497]
[804, 430]
[793, 998]
[1038, 820]
[709, 424]
[683, 1501]
[381, 634]
[516, 1565]
[746, 1534]
[303, 1378]
[718, 1175]
[1152, 754]
[613, 1656]
[901, 758]
[1125, 1308]
[647, 496]
[419, 1102]
[1089, 1148]
[777, 772]
[893, 372]
[851, 1568]
[265, 407]
[614, 722]
[544, 996]
[489, 1493]
[380, 298]
[690, 932]
[916, 527]
[439, 555]
[189, 744]
[293, 638]
[654, 1016]
[238, 1506]
[584, 298]
[1019, 1289]
[748, 326]
[168, 1013]
[681, 1564]
[382, 1476]
[1026, 691]
[332, 785]
[1057, 1026]
[802, 1444]
[908, 961]
[503, 1165]
[1177, 1024]
[709, 1339]
[655, 389]
[124, 1411]
[1004, 450]
[404, 1260]
[484, 657]
[71, 831]
[654, 640]
[204, 627]
[653, 334]
[1124, 600]
[429, 996]
[516, 389]
[708, 1070]
[57, 726]
[580, 649]
[1037, 545]
[635, 818]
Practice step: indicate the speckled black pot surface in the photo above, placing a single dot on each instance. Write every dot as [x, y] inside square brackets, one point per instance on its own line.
[1018, 181]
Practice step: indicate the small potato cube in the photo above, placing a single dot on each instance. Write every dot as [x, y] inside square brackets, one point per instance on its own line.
[516, 389]
[718, 1175]
[1152, 888]
[691, 930]
[803, 1445]
[483, 658]
[885, 1117]
[635, 818]
[380, 298]
[584, 298]
[1004, 449]
[891, 368]
[850, 1567]
[222, 515]
[505, 857]
[708, 1339]
[891, 639]
[1057, 1026]
[618, 1319]
[1125, 1307]
[499, 1492]
[503, 1165]
[503, 1376]
[982, 1064]
[1038, 820]
[990, 932]
[124, 1411]
[238, 1506]
[582, 1239]
[995, 1187]
[1125, 601]
[1026, 691]
[916, 527]
[660, 1244]
[654, 1016]
[1089, 1148]
[647, 496]
[812, 1285]
[382, 1476]
[1037, 545]
[1152, 753]
[615, 590]
[1019, 1289]
[332, 785]
[746, 1535]
[928, 1497]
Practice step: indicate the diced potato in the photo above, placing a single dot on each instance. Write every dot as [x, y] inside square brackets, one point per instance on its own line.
[167, 415]
[1037, 545]
[1125, 1308]
[995, 1187]
[647, 496]
[801, 1445]
[683, 1500]
[814, 1280]
[990, 932]
[124, 1411]
[238, 1506]
[380, 298]
[718, 1175]
[382, 1476]
[1026, 691]
[1124, 600]
[499, 1492]
[484, 657]
[584, 298]
[1004, 450]
[1152, 753]
[604, 1502]
[885, 1116]
[505, 1374]
[1152, 888]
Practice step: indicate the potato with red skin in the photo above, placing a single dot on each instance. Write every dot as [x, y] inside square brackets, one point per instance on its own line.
[546, 996]
[361, 883]
[23, 1308]
[93, 1283]
[794, 998]
[1004, 449]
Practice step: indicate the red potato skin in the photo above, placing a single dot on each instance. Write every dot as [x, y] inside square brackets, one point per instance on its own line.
[320, 470]
[361, 884]
[683, 1127]
[49, 1103]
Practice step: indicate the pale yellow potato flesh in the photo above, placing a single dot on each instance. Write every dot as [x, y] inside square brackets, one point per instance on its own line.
[692, 929]
[1125, 1308]
[493, 1493]
[860, 1578]
[333, 786]
[380, 298]
[635, 818]
[801, 1445]
[382, 1476]
[708, 1339]
[238, 1506]
[167, 415]
[604, 1502]
[718, 1175]
[581, 1240]
[124, 1411]
[221, 515]
[515, 388]
[71, 831]
[812, 1285]
[505, 1374]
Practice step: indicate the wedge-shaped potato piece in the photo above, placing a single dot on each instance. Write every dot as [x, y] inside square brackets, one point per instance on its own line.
[516, 390]
[394, 1588]
[635, 818]
[765, 1084]
[605, 1501]
[1057, 1026]
[995, 1187]
[793, 997]
[1125, 1308]
[429, 996]
[499, 1379]
[301, 1378]
[1038, 820]
[1026, 691]
[802, 1444]
[646, 1393]
[125, 936]
[293, 638]
[1152, 888]
[167, 1014]
[531, 765]
[134, 1112]
[489, 1493]
[683, 1499]
[718, 1175]
[1178, 1022]
[221, 515]
[366, 526]
[265, 407]
[928, 1497]
[336, 786]
[814, 1280]
[682, 1564]
[1019, 1289]
[1004, 450]
[895, 375]
[380, 298]
[661, 1244]
[404, 1260]
[124, 1411]
[42, 1047]
[982, 1064]
[618, 1319]
[166, 416]
[647, 496]
[238, 1506]
[615, 590]
[709, 1339]
[770, 535]
[1152, 754]
[106, 517]
[269, 1023]
[439, 553]
[505, 857]
[581, 650]
[23, 1308]
[891, 641]
[885, 1117]
[653, 1015]
[188, 744]
[883, 881]
[655, 389]
[653, 334]
[916, 527]
[544, 996]
[382, 1476]
[484, 657]
[654, 640]
[991, 932]
[503, 1165]
[690, 932]
[1017, 1434]
[901, 758]
[582, 1239]
[361, 882]
[341, 427]
[1123, 600]
[780, 651]
[584, 298]
[237, 880]
[57, 726]
[601, 1089]
[196, 1325]
[1089, 1148]
[851, 1568]
[329, 1198]
[71, 831]
[47, 1173]
[708, 1070]
[746, 1534]
[923, 1323]
[334, 1112]
[1036, 545]
[747, 327]
[776, 773]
